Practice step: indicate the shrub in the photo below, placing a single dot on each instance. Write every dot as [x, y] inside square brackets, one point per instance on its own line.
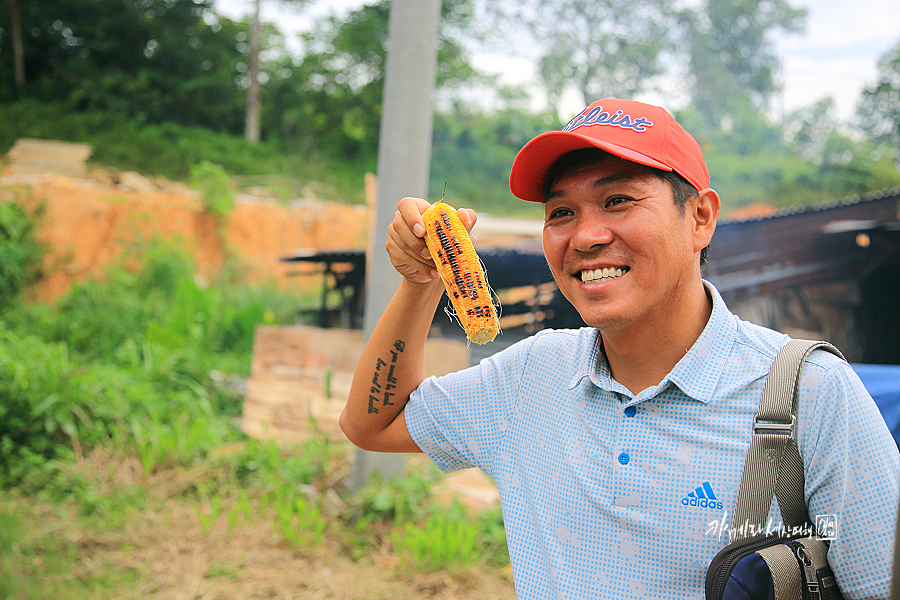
[213, 182]
[148, 361]
[21, 254]
[52, 403]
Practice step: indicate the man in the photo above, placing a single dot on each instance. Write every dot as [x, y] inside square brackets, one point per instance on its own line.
[618, 448]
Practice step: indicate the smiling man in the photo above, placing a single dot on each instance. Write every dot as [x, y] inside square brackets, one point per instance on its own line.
[627, 257]
[617, 447]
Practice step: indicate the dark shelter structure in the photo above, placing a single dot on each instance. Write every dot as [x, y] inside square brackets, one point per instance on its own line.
[829, 271]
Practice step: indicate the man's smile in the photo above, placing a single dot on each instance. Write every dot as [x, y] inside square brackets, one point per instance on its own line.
[604, 274]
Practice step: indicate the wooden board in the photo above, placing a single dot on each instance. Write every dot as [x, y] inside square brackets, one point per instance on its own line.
[31, 156]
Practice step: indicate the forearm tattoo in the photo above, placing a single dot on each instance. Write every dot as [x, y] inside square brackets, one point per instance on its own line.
[380, 394]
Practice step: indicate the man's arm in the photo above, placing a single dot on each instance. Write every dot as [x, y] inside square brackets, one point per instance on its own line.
[392, 362]
[852, 467]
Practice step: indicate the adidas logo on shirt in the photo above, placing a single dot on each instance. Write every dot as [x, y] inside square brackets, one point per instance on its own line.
[702, 496]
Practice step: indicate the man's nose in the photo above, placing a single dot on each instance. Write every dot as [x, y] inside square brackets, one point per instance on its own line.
[590, 234]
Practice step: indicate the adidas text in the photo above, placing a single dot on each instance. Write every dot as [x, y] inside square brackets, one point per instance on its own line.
[702, 502]
[702, 496]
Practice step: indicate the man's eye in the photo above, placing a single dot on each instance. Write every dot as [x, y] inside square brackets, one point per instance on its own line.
[616, 200]
[559, 212]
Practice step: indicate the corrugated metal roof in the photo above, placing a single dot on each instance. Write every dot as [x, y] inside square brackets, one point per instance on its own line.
[818, 206]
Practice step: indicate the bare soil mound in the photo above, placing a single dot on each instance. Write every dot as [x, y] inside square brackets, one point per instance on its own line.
[92, 223]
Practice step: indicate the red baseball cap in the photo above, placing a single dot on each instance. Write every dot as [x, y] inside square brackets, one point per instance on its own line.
[634, 131]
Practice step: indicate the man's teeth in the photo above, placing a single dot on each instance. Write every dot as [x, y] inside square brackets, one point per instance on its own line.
[600, 274]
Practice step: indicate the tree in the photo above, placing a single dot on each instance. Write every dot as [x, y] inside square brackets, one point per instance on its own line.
[15, 25]
[602, 48]
[160, 60]
[331, 98]
[808, 129]
[731, 57]
[252, 119]
[878, 109]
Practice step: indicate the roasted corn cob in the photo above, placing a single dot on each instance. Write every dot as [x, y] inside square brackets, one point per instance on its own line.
[460, 269]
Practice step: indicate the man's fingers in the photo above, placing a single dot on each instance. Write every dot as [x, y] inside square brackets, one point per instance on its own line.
[468, 218]
[405, 245]
[411, 266]
[410, 225]
[404, 229]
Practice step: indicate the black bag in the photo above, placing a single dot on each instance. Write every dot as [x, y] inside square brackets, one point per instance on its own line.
[791, 562]
[771, 567]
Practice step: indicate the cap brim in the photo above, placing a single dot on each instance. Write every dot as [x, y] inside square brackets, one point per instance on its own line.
[526, 180]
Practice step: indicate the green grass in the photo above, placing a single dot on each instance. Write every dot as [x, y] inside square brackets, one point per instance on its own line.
[176, 152]
[39, 558]
[443, 540]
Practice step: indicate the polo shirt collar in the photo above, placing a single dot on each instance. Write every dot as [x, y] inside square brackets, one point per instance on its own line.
[708, 356]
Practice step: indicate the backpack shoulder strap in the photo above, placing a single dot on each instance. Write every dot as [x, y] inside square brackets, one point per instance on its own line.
[773, 464]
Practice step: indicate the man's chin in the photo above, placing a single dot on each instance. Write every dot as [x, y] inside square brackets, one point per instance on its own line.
[604, 320]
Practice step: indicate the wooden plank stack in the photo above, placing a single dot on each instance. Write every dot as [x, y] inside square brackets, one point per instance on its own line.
[300, 379]
[30, 156]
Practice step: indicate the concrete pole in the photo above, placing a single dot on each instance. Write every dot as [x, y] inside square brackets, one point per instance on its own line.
[404, 155]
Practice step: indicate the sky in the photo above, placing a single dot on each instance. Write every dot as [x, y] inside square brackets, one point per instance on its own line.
[836, 55]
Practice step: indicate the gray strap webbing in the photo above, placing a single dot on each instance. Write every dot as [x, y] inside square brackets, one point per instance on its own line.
[817, 548]
[786, 578]
[773, 465]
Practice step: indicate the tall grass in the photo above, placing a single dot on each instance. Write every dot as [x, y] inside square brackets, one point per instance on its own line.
[135, 360]
[442, 541]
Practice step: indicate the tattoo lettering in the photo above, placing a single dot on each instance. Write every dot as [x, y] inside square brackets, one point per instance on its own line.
[376, 393]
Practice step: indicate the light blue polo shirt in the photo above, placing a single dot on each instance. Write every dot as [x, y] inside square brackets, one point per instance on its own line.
[610, 495]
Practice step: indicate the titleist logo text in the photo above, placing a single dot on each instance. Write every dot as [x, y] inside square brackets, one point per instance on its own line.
[597, 116]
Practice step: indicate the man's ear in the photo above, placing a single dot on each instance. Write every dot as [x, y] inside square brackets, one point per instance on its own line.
[705, 214]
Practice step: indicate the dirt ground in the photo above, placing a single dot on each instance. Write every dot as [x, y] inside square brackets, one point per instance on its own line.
[163, 551]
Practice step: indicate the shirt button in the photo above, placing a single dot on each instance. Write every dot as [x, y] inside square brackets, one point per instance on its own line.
[630, 411]
[624, 458]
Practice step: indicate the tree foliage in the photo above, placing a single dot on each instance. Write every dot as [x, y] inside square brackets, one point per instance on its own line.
[171, 76]
[879, 106]
[331, 98]
[161, 60]
[606, 48]
[808, 129]
[732, 59]
[473, 152]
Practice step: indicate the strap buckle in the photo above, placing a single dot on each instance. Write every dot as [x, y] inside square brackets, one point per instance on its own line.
[776, 427]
